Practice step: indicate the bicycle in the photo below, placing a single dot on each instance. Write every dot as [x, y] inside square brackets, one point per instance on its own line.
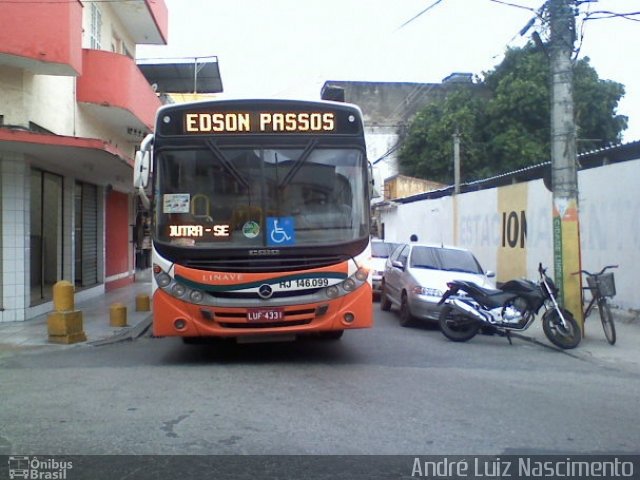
[601, 285]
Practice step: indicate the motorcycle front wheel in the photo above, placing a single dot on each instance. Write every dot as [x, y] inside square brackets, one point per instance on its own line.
[457, 327]
[561, 336]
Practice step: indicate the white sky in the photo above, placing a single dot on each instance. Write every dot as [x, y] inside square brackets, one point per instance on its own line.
[289, 48]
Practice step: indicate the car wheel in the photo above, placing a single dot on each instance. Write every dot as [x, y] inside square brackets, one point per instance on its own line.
[406, 319]
[385, 303]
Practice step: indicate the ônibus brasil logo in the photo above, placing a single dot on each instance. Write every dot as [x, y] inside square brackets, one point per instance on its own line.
[34, 468]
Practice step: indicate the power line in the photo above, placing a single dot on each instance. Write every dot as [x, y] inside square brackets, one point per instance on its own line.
[416, 16]
[404, 106]
[391, 150]
[513, 5]
[608, 14]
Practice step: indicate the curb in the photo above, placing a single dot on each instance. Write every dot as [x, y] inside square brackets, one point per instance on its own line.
[549, 345]
[126, 334]
[626, 316]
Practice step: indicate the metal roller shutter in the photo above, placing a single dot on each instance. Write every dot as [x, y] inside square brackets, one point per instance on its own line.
[88, 233]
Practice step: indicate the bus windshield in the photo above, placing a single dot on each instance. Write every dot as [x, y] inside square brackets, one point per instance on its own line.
[228, 197]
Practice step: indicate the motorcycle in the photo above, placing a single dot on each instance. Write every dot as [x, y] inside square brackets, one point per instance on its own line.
[467, 308]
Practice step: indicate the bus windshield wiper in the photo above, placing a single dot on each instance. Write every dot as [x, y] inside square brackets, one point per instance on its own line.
[298, 165]
[229, 166]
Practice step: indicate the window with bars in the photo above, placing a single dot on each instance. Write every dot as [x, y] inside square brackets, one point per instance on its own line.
[96, 27]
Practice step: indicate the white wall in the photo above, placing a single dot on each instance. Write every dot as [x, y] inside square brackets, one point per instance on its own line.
[609, 225]
[14, 96]
[53, 104]
[379, 141]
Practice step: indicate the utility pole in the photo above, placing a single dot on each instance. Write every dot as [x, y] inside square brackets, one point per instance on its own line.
[456, 162]
[564, 174]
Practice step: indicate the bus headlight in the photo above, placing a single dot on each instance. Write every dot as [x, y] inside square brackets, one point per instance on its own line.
[362, 274]
[178, 289]
[163, 279]
[332, 291]
[196, 296]
[349, 285]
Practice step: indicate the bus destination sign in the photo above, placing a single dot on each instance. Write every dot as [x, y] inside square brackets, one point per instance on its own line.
[259, 122]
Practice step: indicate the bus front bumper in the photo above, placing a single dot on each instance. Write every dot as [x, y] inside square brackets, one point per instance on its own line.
[174, 317]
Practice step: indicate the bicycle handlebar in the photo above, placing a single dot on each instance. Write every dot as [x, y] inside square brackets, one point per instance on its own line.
[595, 274]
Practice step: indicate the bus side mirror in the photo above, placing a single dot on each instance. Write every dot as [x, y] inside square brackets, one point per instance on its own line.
[141, 168]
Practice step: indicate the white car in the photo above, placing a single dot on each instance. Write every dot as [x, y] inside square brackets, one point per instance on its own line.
[416, 276]
[380, 251]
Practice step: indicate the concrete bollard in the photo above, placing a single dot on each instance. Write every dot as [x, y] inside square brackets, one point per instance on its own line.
[118, 315]
[65, 325]
[143, 304]
[63, 300]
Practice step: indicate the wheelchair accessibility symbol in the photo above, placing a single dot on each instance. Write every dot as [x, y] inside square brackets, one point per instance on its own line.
[280, 231]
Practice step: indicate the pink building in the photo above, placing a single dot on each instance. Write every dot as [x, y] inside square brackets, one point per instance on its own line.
[73, 108]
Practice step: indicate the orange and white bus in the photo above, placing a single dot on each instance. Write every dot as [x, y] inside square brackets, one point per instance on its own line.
[260, 219]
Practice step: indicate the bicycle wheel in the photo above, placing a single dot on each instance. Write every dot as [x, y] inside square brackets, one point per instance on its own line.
[607, 320]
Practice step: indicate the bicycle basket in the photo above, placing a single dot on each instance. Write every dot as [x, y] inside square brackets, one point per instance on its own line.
[607, 284]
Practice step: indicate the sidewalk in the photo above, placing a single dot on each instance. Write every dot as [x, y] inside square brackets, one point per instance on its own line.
[95, 316]
[625, 353]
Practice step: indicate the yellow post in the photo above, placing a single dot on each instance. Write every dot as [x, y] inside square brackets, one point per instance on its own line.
[143, 303]
[63, 300]
[118, 315]
[566, 232]
[64, 325]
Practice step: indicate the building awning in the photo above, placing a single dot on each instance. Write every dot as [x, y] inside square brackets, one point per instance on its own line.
[200, 75]
[86, 159]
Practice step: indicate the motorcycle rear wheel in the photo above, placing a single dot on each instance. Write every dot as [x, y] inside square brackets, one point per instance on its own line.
[563, 337]
[457, 327]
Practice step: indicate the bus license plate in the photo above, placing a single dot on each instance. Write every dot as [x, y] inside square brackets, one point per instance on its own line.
[265, 314]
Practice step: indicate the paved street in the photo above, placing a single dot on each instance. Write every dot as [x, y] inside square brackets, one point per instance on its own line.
[387, 390]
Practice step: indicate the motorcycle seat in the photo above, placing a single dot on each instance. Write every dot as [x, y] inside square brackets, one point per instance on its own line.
[490, 292]
[491, 296]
